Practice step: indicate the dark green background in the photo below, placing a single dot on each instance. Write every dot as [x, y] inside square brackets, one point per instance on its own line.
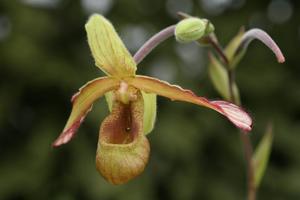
[196, 153]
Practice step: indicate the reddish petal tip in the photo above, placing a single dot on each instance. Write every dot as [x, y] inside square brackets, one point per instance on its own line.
[236, 115]
[68, 134]
[64, 138]
[281, 59]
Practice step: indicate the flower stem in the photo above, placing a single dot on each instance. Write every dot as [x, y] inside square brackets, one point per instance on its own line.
[153, 42]
[248, 151]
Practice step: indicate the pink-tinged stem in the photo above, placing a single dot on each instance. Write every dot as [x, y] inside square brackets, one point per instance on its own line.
[264, 38]
[153, 42]
[248, 151]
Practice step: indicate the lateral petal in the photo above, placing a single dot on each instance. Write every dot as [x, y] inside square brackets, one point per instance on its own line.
[108, 50]
[82, 104]
[234, 113]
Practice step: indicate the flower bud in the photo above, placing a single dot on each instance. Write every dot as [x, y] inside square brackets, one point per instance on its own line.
[192, 29]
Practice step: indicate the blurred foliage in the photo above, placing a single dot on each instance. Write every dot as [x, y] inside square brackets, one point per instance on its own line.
[196, 154]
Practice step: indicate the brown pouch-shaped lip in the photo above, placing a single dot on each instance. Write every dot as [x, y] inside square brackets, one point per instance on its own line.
[123, 150]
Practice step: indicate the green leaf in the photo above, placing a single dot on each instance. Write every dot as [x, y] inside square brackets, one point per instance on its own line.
[261, 155]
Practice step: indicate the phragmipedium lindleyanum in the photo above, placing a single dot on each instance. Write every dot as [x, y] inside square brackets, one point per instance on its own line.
[123, 149]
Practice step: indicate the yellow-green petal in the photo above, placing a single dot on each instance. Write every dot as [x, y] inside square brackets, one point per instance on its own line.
[108, 50]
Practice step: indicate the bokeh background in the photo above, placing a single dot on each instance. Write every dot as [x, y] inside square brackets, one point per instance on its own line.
[196, 153]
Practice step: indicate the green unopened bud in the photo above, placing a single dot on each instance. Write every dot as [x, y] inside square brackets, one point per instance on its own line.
[190, 29]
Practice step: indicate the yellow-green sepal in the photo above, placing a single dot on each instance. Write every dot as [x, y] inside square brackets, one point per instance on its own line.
[108, 50]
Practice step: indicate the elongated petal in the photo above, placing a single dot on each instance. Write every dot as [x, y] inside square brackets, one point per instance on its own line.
[234, 113]
[109, 52]
[82, 104]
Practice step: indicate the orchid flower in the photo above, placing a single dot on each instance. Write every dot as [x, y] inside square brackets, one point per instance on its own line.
[123, 149]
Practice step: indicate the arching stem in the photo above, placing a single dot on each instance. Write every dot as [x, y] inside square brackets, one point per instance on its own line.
[153, 42]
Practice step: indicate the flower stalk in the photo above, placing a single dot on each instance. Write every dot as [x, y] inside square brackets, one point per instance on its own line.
[153, 42]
